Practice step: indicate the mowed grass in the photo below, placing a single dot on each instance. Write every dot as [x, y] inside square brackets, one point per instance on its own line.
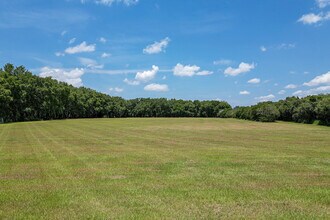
[164, 168]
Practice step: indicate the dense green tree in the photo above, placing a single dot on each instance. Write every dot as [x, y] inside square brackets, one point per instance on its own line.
[264, 112]
[304, 113]
[323, 111]
[26, 97]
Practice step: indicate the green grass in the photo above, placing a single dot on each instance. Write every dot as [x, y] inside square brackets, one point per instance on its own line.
[164, 168]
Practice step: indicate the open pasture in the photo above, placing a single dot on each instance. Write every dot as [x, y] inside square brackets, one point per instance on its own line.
[164, 168]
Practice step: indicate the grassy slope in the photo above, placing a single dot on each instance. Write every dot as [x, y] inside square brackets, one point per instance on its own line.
[164, 168]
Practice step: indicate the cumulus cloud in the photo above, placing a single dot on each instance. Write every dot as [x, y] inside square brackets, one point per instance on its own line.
[312, 18]
[254, 81]
[223, 62]
[156, 87]
[244, 92]
[148, 75]
[116, 90]
[291, 86]
[188, 70]
[90, 63]
[157, 47]
[72, 77]
[322, 79]
[131, 82]
[265, 98]
[83, 47]
[323, 3]
[315, 91]
[282, 92]
[263, 48]
[242, 68]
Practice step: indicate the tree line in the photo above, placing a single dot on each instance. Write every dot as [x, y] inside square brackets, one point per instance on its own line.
[310, 109]
[27, 97]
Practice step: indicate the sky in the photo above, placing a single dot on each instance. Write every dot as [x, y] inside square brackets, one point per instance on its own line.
[239, 51]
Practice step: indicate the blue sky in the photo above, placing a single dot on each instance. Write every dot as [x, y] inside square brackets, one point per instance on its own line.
[234, 50]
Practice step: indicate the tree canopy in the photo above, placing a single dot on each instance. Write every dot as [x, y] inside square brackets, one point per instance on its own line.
[27, 97]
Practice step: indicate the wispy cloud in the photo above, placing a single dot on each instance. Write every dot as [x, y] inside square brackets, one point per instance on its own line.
[254, 81]
[156, 87]
[244, 92]
[81, 48]
[323, 3]
[265, 98]
[116, 90]
[53, 20]
[90, 63]
[291, 86]
[110, 2]
[223, 62]
[322, 79]
[314, 91]
[72, 40]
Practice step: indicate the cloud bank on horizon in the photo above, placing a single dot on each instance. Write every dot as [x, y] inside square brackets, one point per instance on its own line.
[139, 48]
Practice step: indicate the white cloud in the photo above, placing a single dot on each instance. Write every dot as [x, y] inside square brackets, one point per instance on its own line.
[223, 62]
[254, 81]
[244, 92]
[110, 2]
[72, 41]
[103, 40]
[156, 87]
[83, 47]
[59, 54]
[204, 73]
[282, 46]
[63, 33]
[157, 47]
[188, 70]
[131, 82]
[116, 90]
[282, 92]
[90, 63]
[315, 91]
[312, 18]
[285, 46]
[242, 68]
[291, 86]
[322, 79]
[265, 98]
[323, 3]
[148, 75]
[105, 55]
[72, 77]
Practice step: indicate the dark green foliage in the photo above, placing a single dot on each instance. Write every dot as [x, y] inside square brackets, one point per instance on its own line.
[265, 112]
[304, 113]
[323, 111]
[26, 97]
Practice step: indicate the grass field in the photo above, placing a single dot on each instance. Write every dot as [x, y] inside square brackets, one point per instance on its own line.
[164, 168]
